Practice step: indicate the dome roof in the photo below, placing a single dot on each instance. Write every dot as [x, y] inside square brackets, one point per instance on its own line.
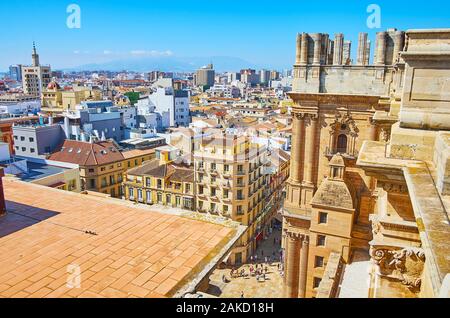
[334, 194]
[337, 160]
[53, 85]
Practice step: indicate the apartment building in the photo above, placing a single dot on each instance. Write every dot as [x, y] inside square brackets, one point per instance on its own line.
[102, 164]
[57, 100]
[37, 141]
[36, 76]
[164, 183]
[230, 183]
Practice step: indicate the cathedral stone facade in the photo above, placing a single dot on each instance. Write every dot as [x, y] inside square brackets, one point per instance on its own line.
[365, 139]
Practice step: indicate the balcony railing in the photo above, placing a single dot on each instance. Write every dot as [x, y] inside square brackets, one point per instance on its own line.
[346, 154]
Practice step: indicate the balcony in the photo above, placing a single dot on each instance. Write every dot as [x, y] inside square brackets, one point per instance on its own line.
[240, 173]
[348, 155]
[226, 174]
[226, 185]
[213, 172]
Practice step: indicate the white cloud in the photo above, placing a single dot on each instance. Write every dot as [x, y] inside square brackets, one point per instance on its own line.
[151, 53]
[107, 52]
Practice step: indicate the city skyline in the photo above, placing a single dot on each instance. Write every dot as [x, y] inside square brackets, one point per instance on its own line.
[140, 32]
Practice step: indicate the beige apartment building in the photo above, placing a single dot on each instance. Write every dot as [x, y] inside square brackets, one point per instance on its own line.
[230, 182]
[57, 100]
[35, 77]
[161, 181]
[102, 164]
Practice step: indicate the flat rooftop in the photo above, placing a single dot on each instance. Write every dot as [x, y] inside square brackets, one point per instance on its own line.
[38, 171]
[51, 238]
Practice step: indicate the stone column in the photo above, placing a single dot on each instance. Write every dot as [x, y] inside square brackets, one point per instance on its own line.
[381, 48]
[310, 149]
[338, 48]
[298, 49]
[304, 51]
[332, 140]
[303, 267]
[296, 151]
[362, 45]
[373, 130]
[317, 37]
[399, 40]
[292, 265]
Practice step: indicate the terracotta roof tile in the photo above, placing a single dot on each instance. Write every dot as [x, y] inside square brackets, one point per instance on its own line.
[135, 252]
[87, 154]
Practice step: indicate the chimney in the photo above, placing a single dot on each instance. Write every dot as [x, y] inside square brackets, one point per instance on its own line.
[67, 127]
[2, 194]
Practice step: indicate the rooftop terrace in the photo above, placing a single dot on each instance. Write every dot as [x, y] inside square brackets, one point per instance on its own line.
[50, 239]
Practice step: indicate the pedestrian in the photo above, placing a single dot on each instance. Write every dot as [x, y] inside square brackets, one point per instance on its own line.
[242, 294]
[274, 240]
[262, 252]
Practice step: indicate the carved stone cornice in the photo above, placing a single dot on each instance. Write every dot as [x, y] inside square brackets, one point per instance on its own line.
[393, 187]
[298, 116]
[334, 99]
[401, 264]
[295, 236]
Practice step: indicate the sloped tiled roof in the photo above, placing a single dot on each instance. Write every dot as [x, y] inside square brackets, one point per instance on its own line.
[87, 154]
[334, 194]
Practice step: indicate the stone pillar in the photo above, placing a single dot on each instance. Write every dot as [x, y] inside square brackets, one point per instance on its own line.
[310, 149]
[362, 48]
[381, 48]
[373, 130]
[338, 48]
[298, 50]
[304, 49]
[399, 41]
[296, 151]
[332, 140]
[317, 38]
[303, 267]
[292, 265]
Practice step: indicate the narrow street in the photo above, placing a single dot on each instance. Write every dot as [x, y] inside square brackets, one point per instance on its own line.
[248, 284]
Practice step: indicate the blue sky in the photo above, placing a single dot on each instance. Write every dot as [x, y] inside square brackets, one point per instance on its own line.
[261, 32]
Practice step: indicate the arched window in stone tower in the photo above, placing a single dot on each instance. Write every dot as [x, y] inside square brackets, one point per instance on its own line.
[342, 144]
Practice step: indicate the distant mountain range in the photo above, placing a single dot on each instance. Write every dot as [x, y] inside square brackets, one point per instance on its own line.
[171, 64]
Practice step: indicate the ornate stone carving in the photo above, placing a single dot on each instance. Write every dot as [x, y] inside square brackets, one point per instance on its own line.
[393, 187]
[376, 226]
[299, 116]
[402, 264]
[294, 236]
[385, 134]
